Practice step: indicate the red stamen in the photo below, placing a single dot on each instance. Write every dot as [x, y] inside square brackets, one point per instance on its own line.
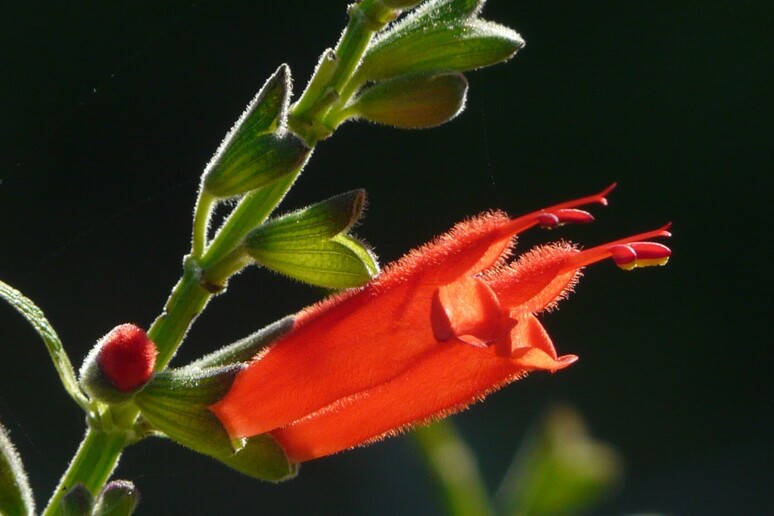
[564, 216]
[640, 254]
[653, 253]
[562, 213]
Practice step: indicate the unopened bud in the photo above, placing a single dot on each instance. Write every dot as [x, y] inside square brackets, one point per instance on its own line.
[413, 102]
[254, 164]
[77, 502]
[118, 498]
[439, 47]
[120, 363]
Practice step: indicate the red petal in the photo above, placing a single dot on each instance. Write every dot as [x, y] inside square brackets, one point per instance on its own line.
[440, 384]
[466, 308]
[535, 281]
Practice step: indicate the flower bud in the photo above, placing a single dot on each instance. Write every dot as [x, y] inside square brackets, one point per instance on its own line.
[238, 156]
[118, 498]
[413, 102]
[440, 47]
[77, 502]
[120, 364]
[256, 163]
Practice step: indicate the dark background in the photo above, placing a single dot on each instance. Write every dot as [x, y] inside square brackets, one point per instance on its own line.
[109, 111]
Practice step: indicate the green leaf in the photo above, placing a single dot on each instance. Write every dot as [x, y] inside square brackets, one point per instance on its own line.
[259, 161]
[15, 493]
[440, 47]
[320, 221]
[117, 498]
[244, 350]
[559, 469]
[325, 263]
[414, 101]
[37, 319]
[175, 403]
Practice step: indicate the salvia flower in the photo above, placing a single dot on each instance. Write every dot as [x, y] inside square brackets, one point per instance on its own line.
[441, 328]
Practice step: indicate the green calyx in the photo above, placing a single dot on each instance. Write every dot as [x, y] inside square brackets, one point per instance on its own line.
[455, 47]
[267, 158]
[412, 102]
[117, 498]
[258, 149]
[175, 403]
[77, 502]
[311, 245]
[243, 350]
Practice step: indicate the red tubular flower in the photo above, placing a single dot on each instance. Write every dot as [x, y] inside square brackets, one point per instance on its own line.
[441, 328]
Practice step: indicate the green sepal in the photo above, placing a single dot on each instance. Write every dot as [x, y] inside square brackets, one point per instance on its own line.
[266, 113]
[414, 101]
[362, 251]
[15, 493]
[434, 13]
[117, 498]
[97, 385]
[440, 47]
[337, 263]
[319, 221]
[77, 502]
[309, 244]
[175, 403]
[245, 349]
[260, 161]
[324, 263]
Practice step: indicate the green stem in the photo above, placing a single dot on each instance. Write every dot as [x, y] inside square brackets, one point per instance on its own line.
[201, 222]
[332, 76]
[101, 450]
[92, 465]
[249, 213]
[185, 303]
